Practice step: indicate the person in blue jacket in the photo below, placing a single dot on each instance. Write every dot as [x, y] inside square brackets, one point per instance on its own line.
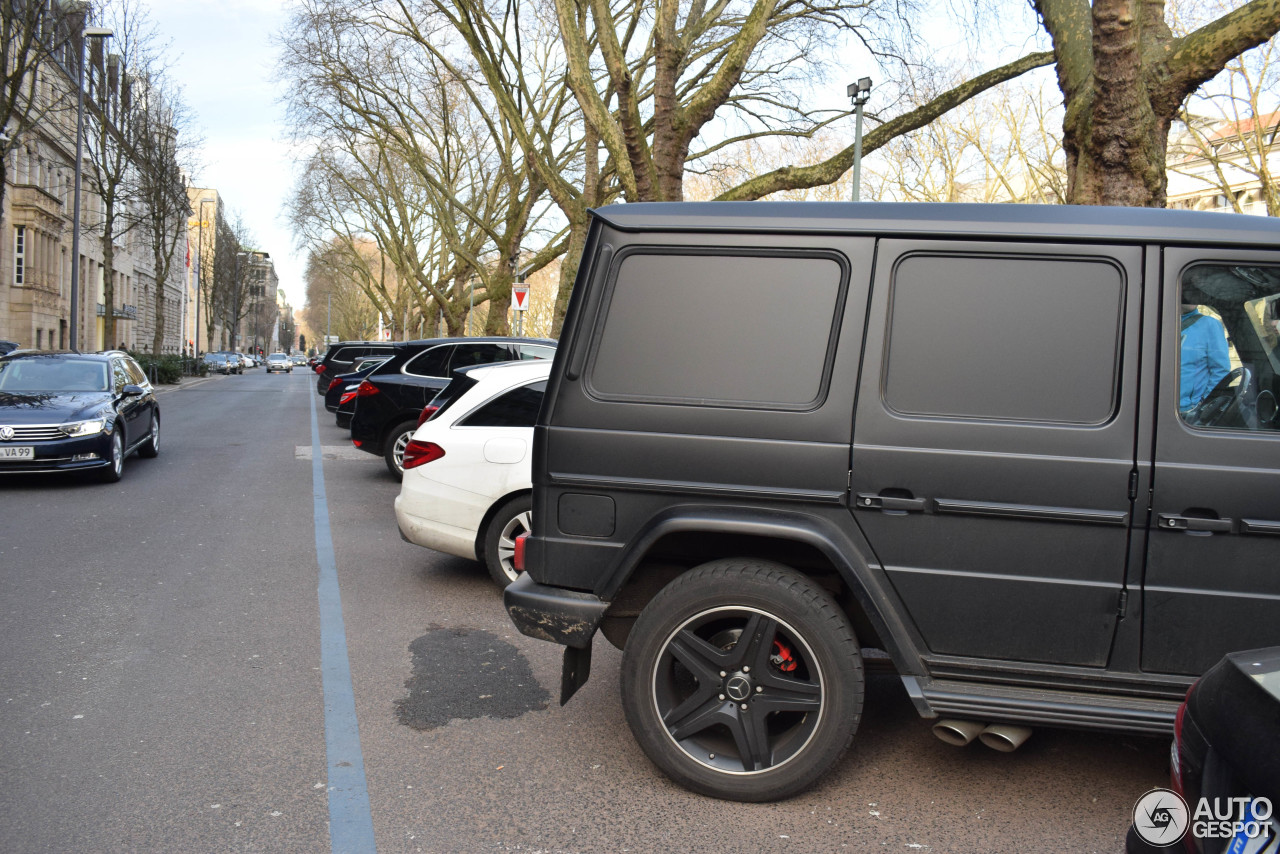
[1205, 357]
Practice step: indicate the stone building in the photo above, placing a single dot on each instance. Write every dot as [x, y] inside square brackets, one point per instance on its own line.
[36, 219]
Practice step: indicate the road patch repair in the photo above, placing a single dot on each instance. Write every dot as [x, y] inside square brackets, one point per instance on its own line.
[460, 674]
[332, 452]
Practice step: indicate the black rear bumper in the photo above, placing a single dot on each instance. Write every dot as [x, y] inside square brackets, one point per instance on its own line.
[566, 617]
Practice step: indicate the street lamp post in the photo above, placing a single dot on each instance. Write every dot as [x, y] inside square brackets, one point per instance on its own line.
[86, 34]
[859, 93]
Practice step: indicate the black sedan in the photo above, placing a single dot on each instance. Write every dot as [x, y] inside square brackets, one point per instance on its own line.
[75, 412]
[343, 383]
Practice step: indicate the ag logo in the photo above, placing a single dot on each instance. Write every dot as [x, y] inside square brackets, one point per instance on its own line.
[1161, 817]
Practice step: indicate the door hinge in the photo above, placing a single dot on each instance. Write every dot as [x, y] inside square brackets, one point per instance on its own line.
[1124, 602]
[1133, 485]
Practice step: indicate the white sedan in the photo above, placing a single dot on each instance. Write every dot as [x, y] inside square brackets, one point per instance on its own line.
[467, 489]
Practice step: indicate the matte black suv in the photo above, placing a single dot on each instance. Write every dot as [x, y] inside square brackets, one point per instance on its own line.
[391, 398]
[1032, 453]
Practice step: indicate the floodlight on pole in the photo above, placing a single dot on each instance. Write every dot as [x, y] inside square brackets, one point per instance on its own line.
[859, 93]
[86, 34]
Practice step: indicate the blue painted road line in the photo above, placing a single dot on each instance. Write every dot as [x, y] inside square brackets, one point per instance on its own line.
[350, 818]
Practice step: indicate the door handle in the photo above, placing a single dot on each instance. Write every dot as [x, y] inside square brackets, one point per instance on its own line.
[1192, 524]
[869, 501]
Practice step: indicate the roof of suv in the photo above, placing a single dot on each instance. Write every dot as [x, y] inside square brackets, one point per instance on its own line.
[1045, 222]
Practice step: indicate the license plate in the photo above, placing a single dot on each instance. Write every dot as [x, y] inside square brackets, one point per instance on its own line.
[17, 452]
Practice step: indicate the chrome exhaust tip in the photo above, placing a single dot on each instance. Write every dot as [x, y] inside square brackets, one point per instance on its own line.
[1005, 738]
[958, 733]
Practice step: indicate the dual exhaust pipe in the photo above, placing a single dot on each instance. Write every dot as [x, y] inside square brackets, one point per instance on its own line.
[1005, 738]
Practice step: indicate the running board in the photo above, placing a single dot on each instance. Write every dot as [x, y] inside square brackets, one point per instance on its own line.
[1075, 710]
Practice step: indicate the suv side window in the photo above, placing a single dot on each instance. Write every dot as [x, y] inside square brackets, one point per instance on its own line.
[684, 327]
[528, 352]
[430, 363]
[968, 338]
[467, 355]
[1229, 346]
[515, 408]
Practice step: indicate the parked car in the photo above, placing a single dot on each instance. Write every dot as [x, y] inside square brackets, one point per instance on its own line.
[279, 362]
[1226, 751]
[66, 411]
[954, 433]
[343, 384]
[247, 360]
[466, 487]
[221, 363]
[389, 400]
[234, 361]
[340, 358]
[7, 346]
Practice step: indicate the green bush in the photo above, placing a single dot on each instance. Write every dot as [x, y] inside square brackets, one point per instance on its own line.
[160, 369]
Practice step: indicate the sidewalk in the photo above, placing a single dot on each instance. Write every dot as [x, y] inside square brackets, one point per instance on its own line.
[187, 382]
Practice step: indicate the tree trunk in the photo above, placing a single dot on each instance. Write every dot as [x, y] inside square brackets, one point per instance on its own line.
[1116, 133]
[1124, 77]
[108, 281]
[157, 339]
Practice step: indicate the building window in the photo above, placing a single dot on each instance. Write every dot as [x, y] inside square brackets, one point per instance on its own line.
[19, 254]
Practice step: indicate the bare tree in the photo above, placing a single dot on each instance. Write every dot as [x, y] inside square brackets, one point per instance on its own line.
[1230, 131]
[336, 304]
[163, 151]
[420, 160]
[40, 55]
[1124, 76]
[113, 118]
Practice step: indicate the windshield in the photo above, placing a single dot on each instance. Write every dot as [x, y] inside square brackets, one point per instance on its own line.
[54, 375]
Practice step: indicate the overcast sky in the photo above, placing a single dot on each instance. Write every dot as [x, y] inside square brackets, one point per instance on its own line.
[222, 56]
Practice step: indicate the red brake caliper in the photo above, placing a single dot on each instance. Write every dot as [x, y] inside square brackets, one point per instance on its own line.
[782, 657]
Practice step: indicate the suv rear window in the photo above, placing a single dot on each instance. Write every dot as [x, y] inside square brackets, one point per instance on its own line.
[515, 408]
[751, 329]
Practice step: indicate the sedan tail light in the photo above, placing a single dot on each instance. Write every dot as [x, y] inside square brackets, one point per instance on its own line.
[420, 453]
[365, 389]
[333, 383]
[427, 412]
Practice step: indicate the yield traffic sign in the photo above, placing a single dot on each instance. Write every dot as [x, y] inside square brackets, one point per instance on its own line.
[520, 297]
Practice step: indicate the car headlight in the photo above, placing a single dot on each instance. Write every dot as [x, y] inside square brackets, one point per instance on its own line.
[84, 428]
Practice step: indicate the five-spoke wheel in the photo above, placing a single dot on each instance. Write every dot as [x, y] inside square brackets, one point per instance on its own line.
[743, 680]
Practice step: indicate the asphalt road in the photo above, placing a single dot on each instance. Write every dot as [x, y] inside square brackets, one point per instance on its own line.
[161, 686]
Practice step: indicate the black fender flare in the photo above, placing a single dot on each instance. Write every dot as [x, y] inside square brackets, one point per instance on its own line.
[852, 559]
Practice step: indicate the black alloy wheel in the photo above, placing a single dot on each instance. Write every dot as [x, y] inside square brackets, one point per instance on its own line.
[743, 680]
